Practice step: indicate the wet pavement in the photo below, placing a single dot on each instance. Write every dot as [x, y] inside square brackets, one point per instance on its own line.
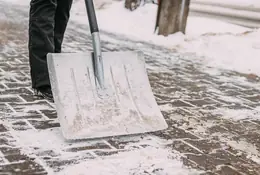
[211, 113]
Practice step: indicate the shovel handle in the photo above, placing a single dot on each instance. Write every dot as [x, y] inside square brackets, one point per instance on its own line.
[92, 16]
[98, 60]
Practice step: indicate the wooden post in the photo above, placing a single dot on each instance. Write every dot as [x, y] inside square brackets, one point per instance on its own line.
[172, 16]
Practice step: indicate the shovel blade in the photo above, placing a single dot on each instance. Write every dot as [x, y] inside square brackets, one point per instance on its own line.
[126, 106]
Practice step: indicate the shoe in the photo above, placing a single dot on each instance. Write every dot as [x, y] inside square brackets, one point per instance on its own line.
[44, 92]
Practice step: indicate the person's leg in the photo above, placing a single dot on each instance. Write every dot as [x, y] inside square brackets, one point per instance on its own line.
[61, 20]
[41, 41]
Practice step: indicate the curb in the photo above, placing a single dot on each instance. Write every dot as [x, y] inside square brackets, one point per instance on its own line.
[245, 16]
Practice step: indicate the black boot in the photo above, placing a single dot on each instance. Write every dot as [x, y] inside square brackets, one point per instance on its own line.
[44, 92]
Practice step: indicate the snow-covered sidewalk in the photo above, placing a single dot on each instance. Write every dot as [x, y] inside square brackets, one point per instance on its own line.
[213, 113]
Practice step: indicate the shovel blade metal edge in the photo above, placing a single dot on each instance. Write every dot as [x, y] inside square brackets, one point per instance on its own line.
[126, 106]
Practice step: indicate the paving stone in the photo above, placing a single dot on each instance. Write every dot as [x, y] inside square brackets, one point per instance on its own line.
[247, 169]
[17, 85]
[5, 66]
[226, 170]
[209, 173]
[51, 114]
[44, 124]
[23, 168]
[250, 137]
[20, 125]
[5, 99]
[31, 107]
[178, 103]
[2, 161]
[211, 161]
[10, 150]
[30, 98]
[250, 92]
[2, 128]
[57, 164]
[189, 163]
[202, 102]
[175, 133]
[217, 129]
[229, 87]
[253, 98]
[256, 122]
[206, 146]
[15, 91]
[6, 139]
[103, 153]
[2, 87]
[24, 115]
[126, 142]
[98, 145]
[15, 68]
[49, 154]
[233, 93]
[17, 158]
[182, 147]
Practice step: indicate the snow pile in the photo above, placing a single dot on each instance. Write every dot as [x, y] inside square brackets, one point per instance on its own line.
[233, 52]
[140, 24]
[137, 25]
[220, 44]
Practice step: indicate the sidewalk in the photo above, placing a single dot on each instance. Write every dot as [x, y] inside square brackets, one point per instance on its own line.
[213, 115]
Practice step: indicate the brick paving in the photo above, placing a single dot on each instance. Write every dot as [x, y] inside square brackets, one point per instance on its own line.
[191, 95]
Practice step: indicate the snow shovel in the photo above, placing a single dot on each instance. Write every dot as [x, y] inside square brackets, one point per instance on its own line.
[102, 94]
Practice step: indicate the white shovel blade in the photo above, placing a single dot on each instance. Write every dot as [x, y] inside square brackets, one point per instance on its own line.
[126, 106]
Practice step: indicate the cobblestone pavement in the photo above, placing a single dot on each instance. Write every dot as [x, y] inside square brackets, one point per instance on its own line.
[203, 106]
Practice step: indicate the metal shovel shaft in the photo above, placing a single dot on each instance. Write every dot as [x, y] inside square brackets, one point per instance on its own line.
[98, 60]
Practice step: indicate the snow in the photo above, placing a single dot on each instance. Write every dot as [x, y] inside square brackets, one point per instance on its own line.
[128, 161]
[237, 114]
[233, 52]
[219, 44]
[149, 160]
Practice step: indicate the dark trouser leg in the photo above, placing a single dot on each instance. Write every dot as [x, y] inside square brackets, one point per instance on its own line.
[41, 39]
[61, 20]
